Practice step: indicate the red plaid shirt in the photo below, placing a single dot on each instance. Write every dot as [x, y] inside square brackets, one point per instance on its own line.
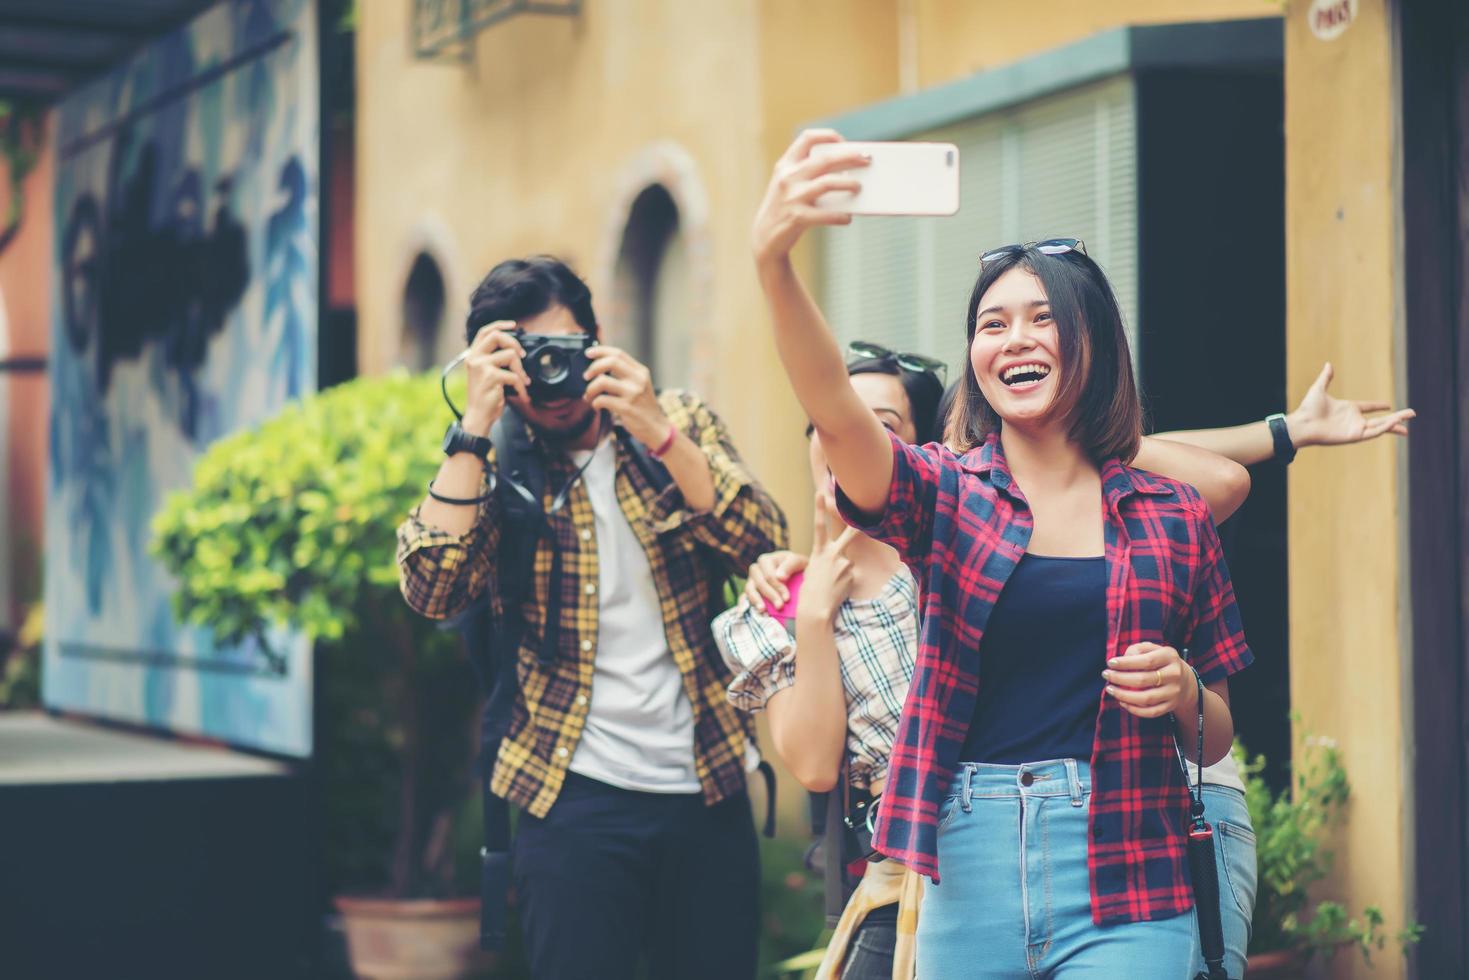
[962, 524]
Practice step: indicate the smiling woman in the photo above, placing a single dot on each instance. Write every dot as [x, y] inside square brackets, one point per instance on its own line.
[1053, 577]
[1025, 368]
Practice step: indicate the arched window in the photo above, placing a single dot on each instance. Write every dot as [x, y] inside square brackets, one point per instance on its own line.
[653, 283]
[423, 313]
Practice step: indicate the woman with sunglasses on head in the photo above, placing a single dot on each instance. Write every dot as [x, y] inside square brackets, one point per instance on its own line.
[834, 706]
[1034, 765]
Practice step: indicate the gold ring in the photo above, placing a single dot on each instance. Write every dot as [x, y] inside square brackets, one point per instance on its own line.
[1159, 681]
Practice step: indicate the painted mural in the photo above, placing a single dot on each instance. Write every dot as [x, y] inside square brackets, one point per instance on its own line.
[186, 273]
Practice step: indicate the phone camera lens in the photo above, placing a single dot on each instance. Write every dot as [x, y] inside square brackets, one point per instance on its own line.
[949, 158]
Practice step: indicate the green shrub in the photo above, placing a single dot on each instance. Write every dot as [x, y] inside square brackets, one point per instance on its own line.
[291, 524]
[1293, 856]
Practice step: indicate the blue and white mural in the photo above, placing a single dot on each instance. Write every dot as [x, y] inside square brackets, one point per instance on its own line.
[186, 268]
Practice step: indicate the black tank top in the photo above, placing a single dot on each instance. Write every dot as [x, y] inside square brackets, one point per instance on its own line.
[1040, 664]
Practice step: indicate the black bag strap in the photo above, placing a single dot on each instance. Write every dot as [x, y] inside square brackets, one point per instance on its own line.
[493, 645]
[520, 490]
[834, 863]
[767, 773]
[477, 628]
[1202, 867]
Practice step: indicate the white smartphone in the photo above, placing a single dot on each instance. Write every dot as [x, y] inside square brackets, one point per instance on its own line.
[903, 179]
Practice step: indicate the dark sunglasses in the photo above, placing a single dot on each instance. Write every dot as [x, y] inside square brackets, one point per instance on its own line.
[862, 350]
[1051, 246]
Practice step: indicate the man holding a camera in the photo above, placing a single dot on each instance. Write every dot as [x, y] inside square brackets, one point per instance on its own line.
[622, 752]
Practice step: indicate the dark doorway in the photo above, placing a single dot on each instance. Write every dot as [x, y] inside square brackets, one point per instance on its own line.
[652, 286]
[1211, 181]
[423, 312]
[1434, 57]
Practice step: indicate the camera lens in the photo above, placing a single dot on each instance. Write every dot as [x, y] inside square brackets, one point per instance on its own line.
[551, 365]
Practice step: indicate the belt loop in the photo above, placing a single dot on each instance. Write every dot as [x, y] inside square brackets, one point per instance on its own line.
[964, 794]
[1073, 781]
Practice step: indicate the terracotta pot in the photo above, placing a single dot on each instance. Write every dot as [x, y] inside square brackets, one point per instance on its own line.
[1281, 964]
[415, 939]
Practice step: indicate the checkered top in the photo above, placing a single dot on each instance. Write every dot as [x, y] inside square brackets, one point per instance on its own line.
[962, 524]
[691, 554]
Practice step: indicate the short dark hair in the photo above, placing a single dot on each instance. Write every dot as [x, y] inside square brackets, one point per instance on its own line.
[1098, 397]
[923, 388]
[520, 288]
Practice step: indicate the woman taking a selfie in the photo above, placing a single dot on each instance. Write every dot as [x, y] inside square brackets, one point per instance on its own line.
[854, 619]
[1034, 776]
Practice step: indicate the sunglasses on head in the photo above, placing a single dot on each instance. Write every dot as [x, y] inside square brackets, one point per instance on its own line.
[1051, 246]
[862, 350]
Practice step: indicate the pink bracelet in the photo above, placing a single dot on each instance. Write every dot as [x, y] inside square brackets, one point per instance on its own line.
[667, 442]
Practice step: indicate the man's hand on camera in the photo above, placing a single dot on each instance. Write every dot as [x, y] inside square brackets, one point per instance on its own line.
[493, 365]
[618, 384]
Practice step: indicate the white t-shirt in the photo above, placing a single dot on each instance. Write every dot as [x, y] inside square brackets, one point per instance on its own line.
[1225, 772]
[639, 731]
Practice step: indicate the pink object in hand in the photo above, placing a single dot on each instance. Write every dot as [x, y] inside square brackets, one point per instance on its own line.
[786, 611]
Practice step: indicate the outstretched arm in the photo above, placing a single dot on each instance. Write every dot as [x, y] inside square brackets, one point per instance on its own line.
[1319, 420]
[857, 447]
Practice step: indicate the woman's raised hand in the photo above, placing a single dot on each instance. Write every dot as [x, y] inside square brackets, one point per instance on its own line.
[1323, 420]
[789, 207]
[828, 580]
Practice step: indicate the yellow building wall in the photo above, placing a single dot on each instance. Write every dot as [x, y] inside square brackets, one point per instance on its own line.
[1347, 525]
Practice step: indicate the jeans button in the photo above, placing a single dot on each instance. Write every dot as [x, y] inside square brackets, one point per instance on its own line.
[1027, 778]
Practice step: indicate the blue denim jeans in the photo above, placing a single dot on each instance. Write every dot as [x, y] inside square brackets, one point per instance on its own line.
[1015, 900]
[1234, 853]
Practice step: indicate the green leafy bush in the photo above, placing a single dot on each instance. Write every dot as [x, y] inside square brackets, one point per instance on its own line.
[1293, 856]
[291, 524]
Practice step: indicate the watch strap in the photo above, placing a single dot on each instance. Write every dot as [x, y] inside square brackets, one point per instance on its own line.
[456, 440]
[1285, 450]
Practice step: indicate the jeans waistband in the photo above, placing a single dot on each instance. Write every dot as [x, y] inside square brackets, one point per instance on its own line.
[1054, 777]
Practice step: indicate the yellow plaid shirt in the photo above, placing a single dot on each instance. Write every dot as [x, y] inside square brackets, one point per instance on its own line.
[691, 555]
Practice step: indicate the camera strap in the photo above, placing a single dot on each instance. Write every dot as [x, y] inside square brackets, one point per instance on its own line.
[1201, 862]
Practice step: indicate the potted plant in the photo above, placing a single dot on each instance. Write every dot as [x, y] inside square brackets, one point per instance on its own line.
[1289, 927]
[291, 524]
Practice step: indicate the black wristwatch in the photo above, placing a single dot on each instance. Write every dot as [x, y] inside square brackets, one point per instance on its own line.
[456, 440]
[1285, 450]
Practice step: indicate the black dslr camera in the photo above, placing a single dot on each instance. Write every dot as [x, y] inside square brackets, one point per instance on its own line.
[556, 365]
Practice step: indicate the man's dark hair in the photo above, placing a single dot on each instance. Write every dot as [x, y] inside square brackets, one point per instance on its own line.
[518, 289]
[1098, 397]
